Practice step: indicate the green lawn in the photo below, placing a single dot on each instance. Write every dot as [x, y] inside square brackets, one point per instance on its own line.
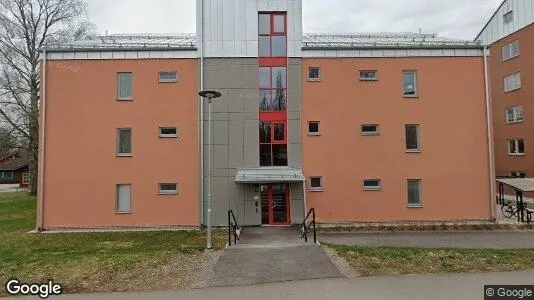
[393, 261]
[86, 262]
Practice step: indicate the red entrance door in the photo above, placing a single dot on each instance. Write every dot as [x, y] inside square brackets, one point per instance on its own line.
[275, 204]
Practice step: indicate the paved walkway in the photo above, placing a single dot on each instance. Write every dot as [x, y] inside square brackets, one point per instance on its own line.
[271, 255]
[466, 240]
[435, 287]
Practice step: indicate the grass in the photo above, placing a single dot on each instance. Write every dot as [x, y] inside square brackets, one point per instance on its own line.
[395, 261]
[85, 262]
[428, 228]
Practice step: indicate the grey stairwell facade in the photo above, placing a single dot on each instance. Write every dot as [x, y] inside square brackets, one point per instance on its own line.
[235, 138]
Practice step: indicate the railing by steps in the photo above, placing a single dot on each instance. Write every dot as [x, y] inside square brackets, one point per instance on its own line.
[233, 229]
[306, 227]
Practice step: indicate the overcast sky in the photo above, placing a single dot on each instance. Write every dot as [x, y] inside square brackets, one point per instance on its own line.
[451, 18]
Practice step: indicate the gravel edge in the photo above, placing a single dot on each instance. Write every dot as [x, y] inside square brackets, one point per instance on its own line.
[341, 264]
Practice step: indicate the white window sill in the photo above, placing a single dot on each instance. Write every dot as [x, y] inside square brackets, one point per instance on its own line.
[509, 91]
[372, 189]
[316, 190]
[124, 155]
[168, 136]
[374, 79]
[314, 79]
[168, 81]
[123, 212]
[371, 134]
[510, 58]
[414, 151]
[415, 206]
[167, 193]
[411, 96]
[514, 122]
[124, 99]
[313, 134]
[516, 154]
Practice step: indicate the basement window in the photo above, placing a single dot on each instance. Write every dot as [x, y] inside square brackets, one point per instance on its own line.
[368, 75]
[313, 128]
[316, 184]
[370, 129]
[314, 74]
[372, 185]
[168, 77]
[168, 132]
[168, 189]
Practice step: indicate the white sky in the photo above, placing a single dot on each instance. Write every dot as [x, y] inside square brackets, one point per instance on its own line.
[450, 18]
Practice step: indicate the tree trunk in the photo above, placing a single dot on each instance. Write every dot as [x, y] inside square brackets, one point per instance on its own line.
[33, 150]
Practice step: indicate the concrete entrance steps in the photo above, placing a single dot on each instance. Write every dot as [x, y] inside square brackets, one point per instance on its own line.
[270, 237]
[271, 254]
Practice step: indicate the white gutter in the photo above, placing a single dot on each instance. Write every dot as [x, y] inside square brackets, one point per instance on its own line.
[40, 211]
[491, 153]
[201, 103]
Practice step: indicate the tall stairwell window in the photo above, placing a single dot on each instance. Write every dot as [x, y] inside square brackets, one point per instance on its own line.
[272, 52]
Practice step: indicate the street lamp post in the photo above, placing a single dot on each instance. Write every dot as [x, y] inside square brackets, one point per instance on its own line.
[210, 95]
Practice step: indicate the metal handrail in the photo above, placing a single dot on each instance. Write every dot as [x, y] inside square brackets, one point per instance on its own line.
[305, 228]
[233, 228]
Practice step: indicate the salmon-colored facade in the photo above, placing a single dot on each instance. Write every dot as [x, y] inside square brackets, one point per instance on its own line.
[506, 164]
[286, 135]
[453, 164]
[81, 166]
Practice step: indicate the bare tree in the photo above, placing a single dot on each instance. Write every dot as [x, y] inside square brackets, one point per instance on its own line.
[25, 27]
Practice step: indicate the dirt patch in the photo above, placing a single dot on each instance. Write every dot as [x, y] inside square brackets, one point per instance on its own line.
[341, 264]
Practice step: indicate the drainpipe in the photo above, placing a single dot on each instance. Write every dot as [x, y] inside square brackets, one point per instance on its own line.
[201, 103]
[489, 118]
[40, 216]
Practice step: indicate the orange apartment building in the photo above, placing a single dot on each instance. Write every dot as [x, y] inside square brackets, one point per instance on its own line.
[509, 34]
[377, 127]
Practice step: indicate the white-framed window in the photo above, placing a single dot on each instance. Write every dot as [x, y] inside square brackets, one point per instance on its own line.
[368, 75]
[512, 82]
[410, 83]
[516, 147]
[316, 184]
[508, 17]
[314, 128]
[124, 86]
[6, 174]
[123, 198]
[514, 114]
[168, 132]
[372, 184]
[413, 143]
[167, 76]
[510, 50]
[168, 189]
[414, 193]
[124, 142]
[314, 74]
[518, 174]
[370, 129]
[25, 178]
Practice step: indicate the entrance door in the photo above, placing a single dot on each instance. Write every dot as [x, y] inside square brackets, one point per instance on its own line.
[275, 204]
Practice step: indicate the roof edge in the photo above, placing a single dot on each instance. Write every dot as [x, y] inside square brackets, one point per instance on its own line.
[491, 18]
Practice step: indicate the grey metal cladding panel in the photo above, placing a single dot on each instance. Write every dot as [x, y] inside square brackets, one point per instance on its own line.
[236, 159]
[294, 155]
[294, 99]
[220, 132]
[250, 75]
[295, 131]
[251, 132]
[252, 155]
[236, 131]
[220, 156]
